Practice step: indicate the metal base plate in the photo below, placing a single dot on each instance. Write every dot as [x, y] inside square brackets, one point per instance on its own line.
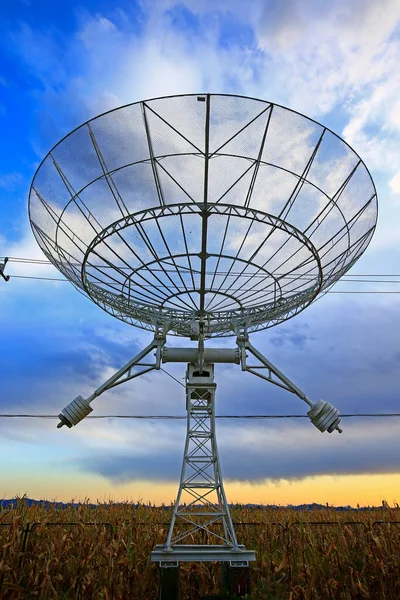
[206, 553]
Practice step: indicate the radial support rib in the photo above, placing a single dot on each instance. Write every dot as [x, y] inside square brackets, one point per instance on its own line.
[204, 212]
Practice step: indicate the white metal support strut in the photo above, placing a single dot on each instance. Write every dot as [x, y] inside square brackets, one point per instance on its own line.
[80, 407]
[201, 513]
[201, 480]
[323, 415]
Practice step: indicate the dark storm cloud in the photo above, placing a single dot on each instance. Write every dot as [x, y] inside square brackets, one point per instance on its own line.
[66, 339]
[346, 352]
[294, 454]
[348, 355]
[292, 335]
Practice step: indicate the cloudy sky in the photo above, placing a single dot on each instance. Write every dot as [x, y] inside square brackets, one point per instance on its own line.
[63, 63]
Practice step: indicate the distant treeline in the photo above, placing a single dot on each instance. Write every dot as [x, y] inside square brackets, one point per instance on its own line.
[15, 502]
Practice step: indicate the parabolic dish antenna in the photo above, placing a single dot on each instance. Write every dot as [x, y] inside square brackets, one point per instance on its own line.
[213, 208]
[202, 216]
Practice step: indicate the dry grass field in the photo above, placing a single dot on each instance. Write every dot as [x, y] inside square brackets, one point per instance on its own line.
[103, 553]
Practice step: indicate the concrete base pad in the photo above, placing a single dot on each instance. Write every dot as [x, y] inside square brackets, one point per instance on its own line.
[196, 553]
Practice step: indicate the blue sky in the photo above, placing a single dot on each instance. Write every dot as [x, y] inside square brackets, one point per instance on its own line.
[62, 63]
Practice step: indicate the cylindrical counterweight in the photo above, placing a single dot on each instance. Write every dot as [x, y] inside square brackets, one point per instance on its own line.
[210, 355]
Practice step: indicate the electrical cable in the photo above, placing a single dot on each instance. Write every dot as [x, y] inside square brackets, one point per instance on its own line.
[329, 292]
[44, 278]
[47, 262]
[172, 377]
[182, 417]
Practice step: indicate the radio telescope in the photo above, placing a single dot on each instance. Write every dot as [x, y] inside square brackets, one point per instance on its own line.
[202, 216]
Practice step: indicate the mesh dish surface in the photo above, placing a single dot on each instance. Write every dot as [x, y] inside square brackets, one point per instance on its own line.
[222, 209]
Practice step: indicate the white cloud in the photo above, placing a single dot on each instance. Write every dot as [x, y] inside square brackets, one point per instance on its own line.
[26, 247]
[395, 184]
[310, 57]
[314, 57]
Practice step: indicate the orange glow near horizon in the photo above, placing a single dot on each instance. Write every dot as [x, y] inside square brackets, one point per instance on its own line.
[340, 490]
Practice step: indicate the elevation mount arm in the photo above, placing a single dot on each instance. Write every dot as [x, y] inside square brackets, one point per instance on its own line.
[80, 407]
[323, 415]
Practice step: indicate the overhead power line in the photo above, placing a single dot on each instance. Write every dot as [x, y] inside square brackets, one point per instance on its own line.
[300, 277]
[353, 278]
[344, 277]
[361, 292]
[329, 291]
[44, 278]
[182, 417]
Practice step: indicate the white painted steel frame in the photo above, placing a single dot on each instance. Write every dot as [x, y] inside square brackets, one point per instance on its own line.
[201, 470]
